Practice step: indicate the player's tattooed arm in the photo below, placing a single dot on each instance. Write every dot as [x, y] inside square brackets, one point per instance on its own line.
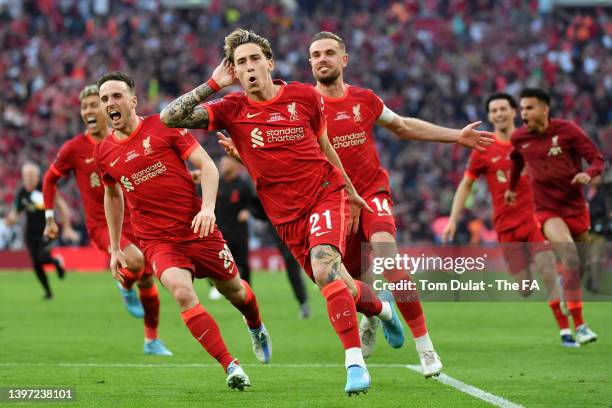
[185, 111]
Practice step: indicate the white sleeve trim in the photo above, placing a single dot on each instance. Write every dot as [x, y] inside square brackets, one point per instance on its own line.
[386, 116]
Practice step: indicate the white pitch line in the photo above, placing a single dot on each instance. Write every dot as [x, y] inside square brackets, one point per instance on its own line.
[443, 378]
[471, 390]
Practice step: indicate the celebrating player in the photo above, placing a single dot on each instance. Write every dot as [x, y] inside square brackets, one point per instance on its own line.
[176, 228]
[280, 135]
[553, 149]
[513, 224]
[76, 155]
[351, 114]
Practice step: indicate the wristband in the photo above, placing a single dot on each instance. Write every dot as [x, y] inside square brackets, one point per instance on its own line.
[212, 84]
[49, 214]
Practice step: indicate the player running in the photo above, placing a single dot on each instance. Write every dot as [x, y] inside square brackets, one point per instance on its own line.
[76, 155]
[351, 113]
[280, 135]
[513, 223]
[176, 228]
[553, 149]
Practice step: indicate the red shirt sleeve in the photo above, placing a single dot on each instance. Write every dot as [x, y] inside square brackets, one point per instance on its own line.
[63, 161]
[107, 179]
[217, 113]
[476, 166]
[317, 118]
[183, 142]
[376, 105]
[60, 167]
[587, 149]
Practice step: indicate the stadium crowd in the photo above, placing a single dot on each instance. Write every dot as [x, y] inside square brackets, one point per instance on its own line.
[432, 59]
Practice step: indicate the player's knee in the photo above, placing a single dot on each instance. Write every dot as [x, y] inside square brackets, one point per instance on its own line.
[184, 295]
[134, 260]
[234, 293]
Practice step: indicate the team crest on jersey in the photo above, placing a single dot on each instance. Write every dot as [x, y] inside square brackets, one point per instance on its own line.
[555, 149]
[357, 113]
[146, 143]
[292, 109]
[94, 180]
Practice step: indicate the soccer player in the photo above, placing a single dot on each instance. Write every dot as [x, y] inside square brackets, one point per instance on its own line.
[351, 113]
[513, 223]
[280, 135]
[553, 150]
[145, 162]
[76, 156]
[29, 198]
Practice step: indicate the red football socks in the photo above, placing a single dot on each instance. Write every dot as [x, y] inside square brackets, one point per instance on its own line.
[366, 301]
[249, 308]
[342, 313]
[149, 297]
[575, 309]
[128, 278]
[562, 320]
[205, 330]
[408, 303]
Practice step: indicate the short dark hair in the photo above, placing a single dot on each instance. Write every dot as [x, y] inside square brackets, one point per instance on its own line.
[328, 35]
[537, 93]
[118, 76]
[241, 36]
[501, 95]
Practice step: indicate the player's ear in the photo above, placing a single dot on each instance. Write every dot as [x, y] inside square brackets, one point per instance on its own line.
[134, 101]
[345, 58]
[271, 65]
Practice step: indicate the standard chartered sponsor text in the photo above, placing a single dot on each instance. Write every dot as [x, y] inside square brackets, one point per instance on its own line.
[353, 139]
[284, 134]
[148, 173]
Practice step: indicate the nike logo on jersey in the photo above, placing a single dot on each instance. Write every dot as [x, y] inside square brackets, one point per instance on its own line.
[114, 161]
[252, 115]
[318, 234]
[525, 145]
[89, 160]
[495, 159]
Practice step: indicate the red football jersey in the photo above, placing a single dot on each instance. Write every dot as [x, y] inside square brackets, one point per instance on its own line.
[553, 159]
[350, 121]
[150, 167]
[494, 163]
[278, 143]
[77, 155]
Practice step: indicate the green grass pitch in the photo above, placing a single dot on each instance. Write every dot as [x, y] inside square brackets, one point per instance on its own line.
[85, 339]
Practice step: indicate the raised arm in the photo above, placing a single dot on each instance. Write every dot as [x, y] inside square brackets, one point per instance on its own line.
[186, 112]
[204, 221]
[417, 129]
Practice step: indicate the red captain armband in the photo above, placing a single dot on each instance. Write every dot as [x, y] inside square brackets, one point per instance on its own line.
[212, 84]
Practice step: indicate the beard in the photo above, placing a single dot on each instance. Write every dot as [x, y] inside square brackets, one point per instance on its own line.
[330, 78]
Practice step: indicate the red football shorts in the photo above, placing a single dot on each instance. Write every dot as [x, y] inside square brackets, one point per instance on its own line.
[577, 223]
[381, 220]
[101, 240]
[520, 244]
[207, 257]
[324, 224]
